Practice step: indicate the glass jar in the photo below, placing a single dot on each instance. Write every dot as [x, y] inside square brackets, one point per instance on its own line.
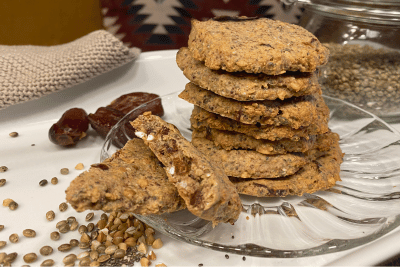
[364, 41]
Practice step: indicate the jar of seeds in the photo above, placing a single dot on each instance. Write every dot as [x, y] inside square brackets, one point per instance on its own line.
[364, 42]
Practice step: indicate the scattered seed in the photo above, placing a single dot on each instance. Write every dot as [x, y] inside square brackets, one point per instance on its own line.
[32, 144]
[29, 233]
[89, 216]
[2, 256]
[244, 258]
[233, 237]
[247, 218]
[95, 264]
[82, 229]
[54, 180]
[7, 202]
[10, 258]
[144, 262]
[85, 262]
[152, 256]
[71, 219]
[104, 217]
[30, 257]
[64, 247]
[84, 245]
[83, 255]
[101, 249]
[85, 238]
[74, 243]
[46, 250]
[1, 227]
[50, 215]
[226, 256]
[64, 228]
[90, 227]
[161, 265]
[61, 223]
[63, 207]
[64, 171]
[74, 225]
[14, 238]
[111, 249]
[70, 258]
[55, 236]
[13, 134]
[103, 258]
[123, 246]
[13, 205]
[48, 262]
[79, 166]
[200, 264]
[157, 243]
[43, 182]
[3, 169]
[2, 182]
[3, 244]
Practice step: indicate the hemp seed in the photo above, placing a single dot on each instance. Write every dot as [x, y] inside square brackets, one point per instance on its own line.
[74, 242]
[29, 233]
[54, 180]
[55, 236]
[43, 182]
[63, 207]
[30, 257]
[82, 229]
[61, 223]
[48, 262]
[74, 225]
[85, 262]
[13, 134]
[3, 168]
[64, 247]
[13, 205]
[50, 215]
[2, 182]
[104, 258]
[10, 258]
[64, 171]
[90, 227]
[46, 250]
[3, 244]
[89, 216]
[71, 258]
[14, 238]
[1, 227]
[64, 228]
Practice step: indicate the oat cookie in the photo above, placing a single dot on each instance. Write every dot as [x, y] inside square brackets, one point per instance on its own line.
[293, 112]
[258, 45]
[244, 86]
[232, 140]
[201, 118]
[249, 163]
[320, 174]
[130, 180]
[203, 185]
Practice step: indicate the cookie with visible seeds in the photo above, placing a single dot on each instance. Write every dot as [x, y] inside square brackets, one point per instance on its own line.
[244, 86]
[131, 180]
[232, 140]
[201, 118]
[320, 174]
[203, 185]
[249, 163]
[293, 112]
[255, 45]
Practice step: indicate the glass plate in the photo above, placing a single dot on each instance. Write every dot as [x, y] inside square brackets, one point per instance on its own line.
[361, 208]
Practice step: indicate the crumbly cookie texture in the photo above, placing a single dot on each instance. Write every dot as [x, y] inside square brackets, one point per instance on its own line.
[294, 112]
[232, 140]
[201, 118]
[244, 86]
[203, 185]
[258, 45]
[248, 163]
[132, 179]
[320, 174]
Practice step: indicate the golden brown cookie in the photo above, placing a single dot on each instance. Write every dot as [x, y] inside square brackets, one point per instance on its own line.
[203, 185]
[244, 86]
[201, 118]
[131, 180]
[248, 163]
[320, 174]
[232, 140]
[293, 112]
[258, 45]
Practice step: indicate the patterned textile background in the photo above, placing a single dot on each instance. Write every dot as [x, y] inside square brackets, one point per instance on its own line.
[165, 24]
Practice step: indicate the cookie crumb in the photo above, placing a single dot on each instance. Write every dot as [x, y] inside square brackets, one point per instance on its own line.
[247, 218]
[79, 166]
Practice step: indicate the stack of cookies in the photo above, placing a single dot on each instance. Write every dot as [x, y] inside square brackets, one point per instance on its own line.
[258, 105]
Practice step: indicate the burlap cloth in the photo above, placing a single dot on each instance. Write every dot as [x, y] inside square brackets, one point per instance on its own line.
[29, 72]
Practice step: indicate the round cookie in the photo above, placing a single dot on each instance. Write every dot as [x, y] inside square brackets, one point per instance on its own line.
[255, 45]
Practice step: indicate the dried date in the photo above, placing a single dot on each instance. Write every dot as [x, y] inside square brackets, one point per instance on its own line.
[71, 127]
[104, 119]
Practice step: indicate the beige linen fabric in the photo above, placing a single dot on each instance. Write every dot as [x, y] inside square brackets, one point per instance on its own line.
[29, 72]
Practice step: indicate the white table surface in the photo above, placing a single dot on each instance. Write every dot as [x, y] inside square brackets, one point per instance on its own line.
[29, 164]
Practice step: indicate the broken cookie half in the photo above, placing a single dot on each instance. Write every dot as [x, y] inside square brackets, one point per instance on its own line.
[131, 180]
[204, 186]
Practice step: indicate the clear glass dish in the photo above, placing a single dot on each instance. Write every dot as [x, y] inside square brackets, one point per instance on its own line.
[361, 208]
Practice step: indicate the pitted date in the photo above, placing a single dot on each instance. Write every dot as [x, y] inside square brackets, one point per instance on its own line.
[106, 117]
[71, 127]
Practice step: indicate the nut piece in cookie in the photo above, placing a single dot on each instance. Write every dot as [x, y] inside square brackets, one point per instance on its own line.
[132, 179]
[258, 45]
[204, 186]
